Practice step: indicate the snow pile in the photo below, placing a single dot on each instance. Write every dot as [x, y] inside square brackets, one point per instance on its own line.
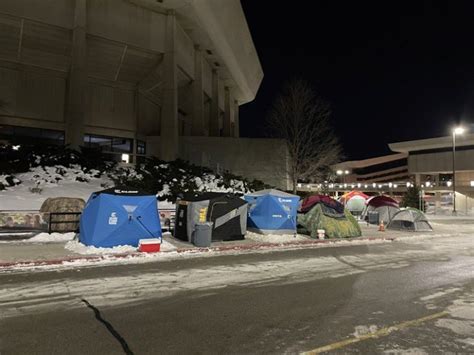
[53, 237]
[275, 238]
[79, 248]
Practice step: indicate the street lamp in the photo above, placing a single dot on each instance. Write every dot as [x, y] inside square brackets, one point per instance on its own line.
[343, 173]
[456, 131]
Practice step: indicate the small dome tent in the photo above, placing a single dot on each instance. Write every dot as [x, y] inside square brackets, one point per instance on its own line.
[354, 201]
[272, 212]
[348, 195]
[385, 206]
[119, 216]
[228, 212]
[410, 219]
[323, 212]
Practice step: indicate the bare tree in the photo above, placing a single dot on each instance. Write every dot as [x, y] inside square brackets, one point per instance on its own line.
[301, 117]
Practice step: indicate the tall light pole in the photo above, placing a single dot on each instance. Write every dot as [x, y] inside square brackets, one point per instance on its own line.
[456, 131]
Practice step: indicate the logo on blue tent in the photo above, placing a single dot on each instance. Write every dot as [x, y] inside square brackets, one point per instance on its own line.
[113, 218]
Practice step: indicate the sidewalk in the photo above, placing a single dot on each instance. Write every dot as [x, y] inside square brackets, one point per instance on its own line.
[24, 254]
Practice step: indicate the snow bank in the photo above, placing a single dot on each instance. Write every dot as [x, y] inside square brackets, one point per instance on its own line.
[79, 248]
[275, 238]
[53, 237]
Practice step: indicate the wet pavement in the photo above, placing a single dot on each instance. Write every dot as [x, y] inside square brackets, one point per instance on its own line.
[415, 295]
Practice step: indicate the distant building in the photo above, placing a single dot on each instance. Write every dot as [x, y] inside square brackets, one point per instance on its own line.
[134, 77]
[384, 169]
[430, 162]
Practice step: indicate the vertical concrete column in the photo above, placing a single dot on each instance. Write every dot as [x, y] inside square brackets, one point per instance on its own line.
[77, 81]
[169, 137]
[226, 127]
[214, 122]
[198, 95]
[236, 119]
[437, 195]
[418, 180]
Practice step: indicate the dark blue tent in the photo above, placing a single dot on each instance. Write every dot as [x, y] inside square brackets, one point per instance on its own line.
[119, 217]
[272, 212]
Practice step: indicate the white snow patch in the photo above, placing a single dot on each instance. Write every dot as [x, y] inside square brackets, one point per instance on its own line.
[440, 294]
[79, 248]
[53, 237]
[50, 183]
[165, 191]
[167, 246]
[362, 330]
[460, 327]
[468, 341]
[275, 238]
[462, 309]
[410, 351]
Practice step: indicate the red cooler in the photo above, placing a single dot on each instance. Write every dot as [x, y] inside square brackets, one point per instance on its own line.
[151, 245]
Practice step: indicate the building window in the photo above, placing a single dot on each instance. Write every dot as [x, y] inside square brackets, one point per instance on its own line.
[141, 147]
[109, 144]
[16, 134]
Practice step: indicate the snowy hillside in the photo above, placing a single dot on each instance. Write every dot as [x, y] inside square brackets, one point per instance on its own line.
[28, 190]
[40, 183]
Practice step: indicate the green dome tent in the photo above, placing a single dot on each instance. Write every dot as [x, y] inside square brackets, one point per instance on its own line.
[410, 219]
[344, 226]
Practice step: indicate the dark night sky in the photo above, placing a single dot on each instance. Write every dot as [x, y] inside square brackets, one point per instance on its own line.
[392, 71]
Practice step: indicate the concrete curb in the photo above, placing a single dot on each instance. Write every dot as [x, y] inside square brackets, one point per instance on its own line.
[223, 249]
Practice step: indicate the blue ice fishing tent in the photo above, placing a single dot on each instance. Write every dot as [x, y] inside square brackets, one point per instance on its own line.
[119, 216]
[272, 212]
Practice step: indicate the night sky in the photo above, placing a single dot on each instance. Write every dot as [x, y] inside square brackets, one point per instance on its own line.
[392, 71]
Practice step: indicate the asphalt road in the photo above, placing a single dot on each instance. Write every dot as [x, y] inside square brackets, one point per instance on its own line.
[415, 296]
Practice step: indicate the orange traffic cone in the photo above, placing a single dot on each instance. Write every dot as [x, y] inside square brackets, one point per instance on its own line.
[381, 227]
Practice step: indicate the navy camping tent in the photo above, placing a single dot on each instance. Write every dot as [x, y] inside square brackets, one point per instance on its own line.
[119, 217]
[272, 212]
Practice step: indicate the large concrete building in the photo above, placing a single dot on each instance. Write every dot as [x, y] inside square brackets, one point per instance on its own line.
[137, 77]
[430, 163]
[384, 169]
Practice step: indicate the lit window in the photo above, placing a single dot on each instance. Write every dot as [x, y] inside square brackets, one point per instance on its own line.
[141, 147]
[108, 144]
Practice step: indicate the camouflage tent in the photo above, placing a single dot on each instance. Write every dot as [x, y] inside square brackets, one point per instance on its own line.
[344, 226]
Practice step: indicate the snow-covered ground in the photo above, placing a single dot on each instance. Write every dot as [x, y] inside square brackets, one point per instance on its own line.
[115, 290]
[79, 248]
[51, 238]
[49, 183]
[275, 238]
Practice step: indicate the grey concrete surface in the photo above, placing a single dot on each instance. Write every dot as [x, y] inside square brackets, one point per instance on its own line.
[274, 302]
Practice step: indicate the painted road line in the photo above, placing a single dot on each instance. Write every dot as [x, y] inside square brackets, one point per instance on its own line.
[379, 333]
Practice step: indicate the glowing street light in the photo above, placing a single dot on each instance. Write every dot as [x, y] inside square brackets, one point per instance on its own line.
[456, 131]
